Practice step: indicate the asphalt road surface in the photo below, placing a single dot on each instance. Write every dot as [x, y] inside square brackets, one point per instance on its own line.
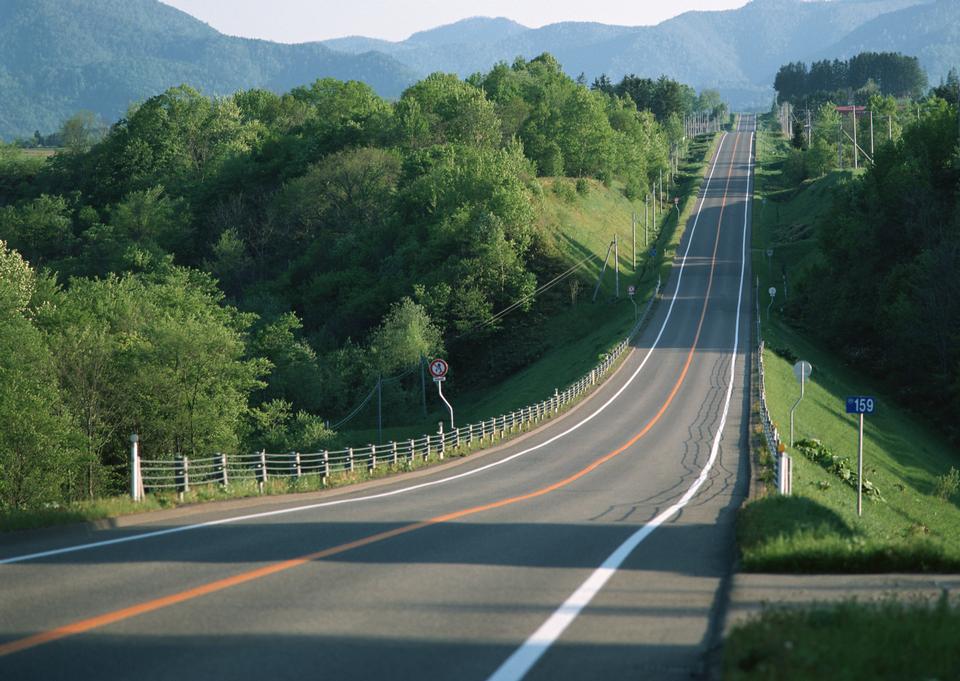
[598, 547]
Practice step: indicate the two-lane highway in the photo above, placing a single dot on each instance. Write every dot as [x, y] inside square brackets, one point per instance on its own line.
[597, 547]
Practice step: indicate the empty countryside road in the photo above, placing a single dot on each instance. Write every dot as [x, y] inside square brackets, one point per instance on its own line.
[595, 548]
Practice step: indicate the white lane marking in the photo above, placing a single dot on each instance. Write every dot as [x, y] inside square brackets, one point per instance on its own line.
[522, 660]
[403, 490]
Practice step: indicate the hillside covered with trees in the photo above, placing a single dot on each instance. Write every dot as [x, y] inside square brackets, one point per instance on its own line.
[235, 272]
[881, 288]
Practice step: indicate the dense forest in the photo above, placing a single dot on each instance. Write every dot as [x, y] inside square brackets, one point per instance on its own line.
[234, 272]
[857, 79]
[884, 293]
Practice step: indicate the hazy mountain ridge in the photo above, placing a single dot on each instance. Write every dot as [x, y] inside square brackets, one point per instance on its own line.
[59, 56]
[738, 51]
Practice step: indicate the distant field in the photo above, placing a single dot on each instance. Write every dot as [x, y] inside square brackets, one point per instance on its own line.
[817, 529]
[40, 153]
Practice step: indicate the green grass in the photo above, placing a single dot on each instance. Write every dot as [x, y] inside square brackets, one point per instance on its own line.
[885, 641]
[817, 529]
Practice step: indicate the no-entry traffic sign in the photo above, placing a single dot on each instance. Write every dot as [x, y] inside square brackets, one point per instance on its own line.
[439, 368]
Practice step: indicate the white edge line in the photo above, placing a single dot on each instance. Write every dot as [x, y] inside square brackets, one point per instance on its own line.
[403, 490]
[522, 660]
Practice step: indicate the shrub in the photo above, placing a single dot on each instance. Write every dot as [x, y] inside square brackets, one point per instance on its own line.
[947, 484]
[564, 190]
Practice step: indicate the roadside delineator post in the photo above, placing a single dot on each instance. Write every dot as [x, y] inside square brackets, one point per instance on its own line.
[135, 487]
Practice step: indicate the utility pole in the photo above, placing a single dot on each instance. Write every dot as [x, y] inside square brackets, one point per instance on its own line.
[602, 270]
[871, 134]
[653, 203]
[809, 130]
[660, 193]
[856, 147]
[840, 143]
[380, 409]
[616, 263]
[889, 128]
[646, 220]
[633, 225]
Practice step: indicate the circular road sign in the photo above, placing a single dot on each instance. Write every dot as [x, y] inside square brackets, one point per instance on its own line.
[676, 200]
[772, 291]
[769, 252]
[631, 290]
[802, 370]
[439, 368]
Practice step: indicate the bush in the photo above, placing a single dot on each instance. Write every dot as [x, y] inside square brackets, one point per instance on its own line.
[947, 484]
[564, 190]
[785, 353]
[583, 186]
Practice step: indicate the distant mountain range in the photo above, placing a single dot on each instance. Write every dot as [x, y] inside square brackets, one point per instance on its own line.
[59, 56]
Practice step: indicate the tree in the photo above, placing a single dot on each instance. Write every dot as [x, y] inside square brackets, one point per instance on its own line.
[799, 139]
[296, 378]
[79, 132]
[41, 229]
[158, 355]
[453, 111]
[405, 335]
[38, 454]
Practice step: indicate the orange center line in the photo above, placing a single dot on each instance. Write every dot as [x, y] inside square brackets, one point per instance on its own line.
[85, 625]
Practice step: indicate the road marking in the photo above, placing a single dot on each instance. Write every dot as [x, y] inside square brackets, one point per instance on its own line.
[105, 619]
[526, 656]
[403, 490]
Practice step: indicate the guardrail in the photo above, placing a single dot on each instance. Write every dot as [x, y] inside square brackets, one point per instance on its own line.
[181, 473]
[770, 433]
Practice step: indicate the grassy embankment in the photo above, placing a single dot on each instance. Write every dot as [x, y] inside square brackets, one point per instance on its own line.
[577, 224]
[915, 527]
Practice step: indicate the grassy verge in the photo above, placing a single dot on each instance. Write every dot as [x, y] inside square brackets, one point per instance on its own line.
[881, 641]
[916, 525]
[580, 223]
[99, 509]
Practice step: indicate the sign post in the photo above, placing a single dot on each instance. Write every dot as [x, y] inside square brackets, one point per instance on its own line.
[632, 291]
[860, 404]
[802, 371]
[439, 369]
[773, 294]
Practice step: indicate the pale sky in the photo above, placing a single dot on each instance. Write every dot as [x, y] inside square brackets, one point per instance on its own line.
[296, 21]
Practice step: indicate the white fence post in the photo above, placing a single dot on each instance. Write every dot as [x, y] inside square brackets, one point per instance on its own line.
[223, 466]
[263, 468]
[135, 467]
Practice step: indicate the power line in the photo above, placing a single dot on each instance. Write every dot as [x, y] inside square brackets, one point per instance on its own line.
[502, 313]
[510, 308]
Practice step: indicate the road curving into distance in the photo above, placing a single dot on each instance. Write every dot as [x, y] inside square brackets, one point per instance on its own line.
[598, 547]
